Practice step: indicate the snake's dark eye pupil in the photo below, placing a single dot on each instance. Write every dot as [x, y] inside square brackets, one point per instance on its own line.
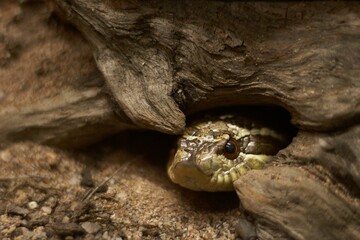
[231, 149]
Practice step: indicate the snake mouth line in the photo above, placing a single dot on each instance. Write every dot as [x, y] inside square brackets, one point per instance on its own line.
[249, 162]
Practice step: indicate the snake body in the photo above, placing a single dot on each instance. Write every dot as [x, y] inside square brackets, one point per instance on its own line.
[213, 153]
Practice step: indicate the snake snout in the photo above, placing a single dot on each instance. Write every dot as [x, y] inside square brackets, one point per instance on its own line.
[188, 174]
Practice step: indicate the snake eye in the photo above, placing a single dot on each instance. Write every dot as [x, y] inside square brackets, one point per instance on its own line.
[231, 149]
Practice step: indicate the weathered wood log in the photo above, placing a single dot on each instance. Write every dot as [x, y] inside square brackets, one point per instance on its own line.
[254, 54]
[291, 203]
[299, 200]
[72, 118]
[160, 56]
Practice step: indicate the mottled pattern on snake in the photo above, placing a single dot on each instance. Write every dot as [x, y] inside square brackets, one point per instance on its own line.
[212, 154]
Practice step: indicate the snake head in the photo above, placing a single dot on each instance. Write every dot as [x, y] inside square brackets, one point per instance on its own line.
[192, 167]
[212, 155]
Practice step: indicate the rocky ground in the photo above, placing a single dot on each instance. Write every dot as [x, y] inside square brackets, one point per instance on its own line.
[114, 189]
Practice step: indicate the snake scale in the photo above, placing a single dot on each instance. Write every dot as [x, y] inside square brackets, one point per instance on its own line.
[214, 152]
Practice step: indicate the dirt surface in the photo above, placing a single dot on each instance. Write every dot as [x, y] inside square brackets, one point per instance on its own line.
[48, 192]
[38, 55]
[116, 189]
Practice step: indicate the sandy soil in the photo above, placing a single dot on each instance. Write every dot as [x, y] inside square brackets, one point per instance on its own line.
[115, 189]
[118, 187]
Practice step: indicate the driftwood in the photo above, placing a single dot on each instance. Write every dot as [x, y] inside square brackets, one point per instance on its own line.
[159, 57]
[301, 200]
[163, 60]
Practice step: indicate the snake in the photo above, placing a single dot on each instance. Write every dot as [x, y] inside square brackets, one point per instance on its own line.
[214, 152]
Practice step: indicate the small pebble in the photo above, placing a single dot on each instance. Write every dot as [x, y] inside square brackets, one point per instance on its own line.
[91, 227]
[13, 209]
[39, 233]
[24, 222]
[51, 202]
[5, 156]
[32, 205]
[65, 219]
[22, 232]
[105, 235]
[46, 209]
[121, 197]
[75, 180]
